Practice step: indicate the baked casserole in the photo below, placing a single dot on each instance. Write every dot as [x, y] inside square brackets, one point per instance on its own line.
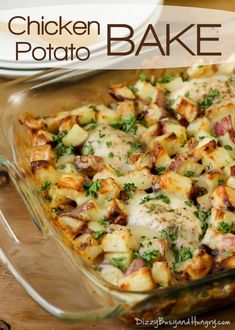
[143, 188]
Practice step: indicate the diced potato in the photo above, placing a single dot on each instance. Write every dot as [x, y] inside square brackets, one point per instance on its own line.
[87, 247]
[218, 158]
[171, 142]
[153, 113]
[174, 183]
[43, 174]
[121, 92]
[204, 201]
[116, 212]
[199, 266]
[210, 181]
[220, 110]
[141, 160]
[107, 116]
[199, 70]
[67, 123]
[85, 114]
[185, 109]
[171, 126]
[217, 216]
[64, 160]
[142, 232]
[189, 165]
[91, 164]
[70, 226]
[142, 179]
[231, 182]
[44, 152]
[199, 127]
[149, 245]
[161, 273]
[117, 241]
[138, 281]
[228, 144]
[33, 123]
[71, 181]
[223, 197]
[111, 274]
[41, 138]
[159, 155]
[204, 147]
[150, 133]
[146, 91]
[229, 263]
[174, 84]
[114, 257]
[126, 109]
[75, 137]
[109, 188]
[68, 169]
[52, 124]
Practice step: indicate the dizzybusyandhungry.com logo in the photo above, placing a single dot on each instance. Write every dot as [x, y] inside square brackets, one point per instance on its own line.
[192, 321]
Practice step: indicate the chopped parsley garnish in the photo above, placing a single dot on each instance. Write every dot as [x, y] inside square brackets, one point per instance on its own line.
[134, 145]
[88, 149]
[57, 138]
[93, 107]
[101, 134]
[143, 77]
[91, 127]
[203, 216]
[224, 227]
[150, 256]
[117, 172]
[57, 210]
[231, 79]
[110, 155]
[129, 188]
[149, 100]
[92, 189]
[187, 94]
[109, 144]
[182, 254]
[104, 222]
[98, 234]
[170, 233]
[127, 125]
[46, 185]
[166, 79]
[61, 149]
[133, 89]
[119, 262]
[160, 170]
[228, 147]
[209, 99]
[221, 181]
[188, 203]
[189, 174]
[159, 196]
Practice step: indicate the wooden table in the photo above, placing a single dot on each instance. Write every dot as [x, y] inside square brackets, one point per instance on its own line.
[19, 310]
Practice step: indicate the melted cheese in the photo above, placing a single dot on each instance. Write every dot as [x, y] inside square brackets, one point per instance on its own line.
[113, 145]
[159, 216]
[198, 88]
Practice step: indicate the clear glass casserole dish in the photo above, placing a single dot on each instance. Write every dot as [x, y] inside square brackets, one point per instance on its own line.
[53, 275]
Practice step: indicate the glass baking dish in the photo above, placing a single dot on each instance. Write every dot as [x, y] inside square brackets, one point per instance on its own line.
[53, 275]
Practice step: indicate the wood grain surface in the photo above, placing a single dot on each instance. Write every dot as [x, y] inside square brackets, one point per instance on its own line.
[19, 310]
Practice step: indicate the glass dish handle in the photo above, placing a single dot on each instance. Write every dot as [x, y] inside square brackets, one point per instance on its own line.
[50, 277]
